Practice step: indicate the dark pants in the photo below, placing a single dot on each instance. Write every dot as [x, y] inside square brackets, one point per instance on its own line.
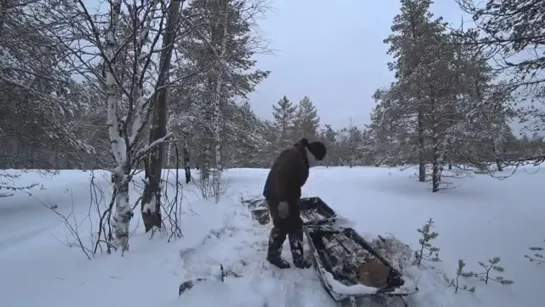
[292, 226]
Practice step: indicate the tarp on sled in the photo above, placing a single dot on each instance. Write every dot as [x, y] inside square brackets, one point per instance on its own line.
[313, 210]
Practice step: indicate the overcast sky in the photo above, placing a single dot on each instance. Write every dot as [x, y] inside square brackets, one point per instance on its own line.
[331, 51]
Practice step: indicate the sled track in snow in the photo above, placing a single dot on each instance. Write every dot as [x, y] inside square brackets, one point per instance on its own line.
[240, 246]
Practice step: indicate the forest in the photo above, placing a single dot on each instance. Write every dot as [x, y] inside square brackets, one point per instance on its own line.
[150, 85]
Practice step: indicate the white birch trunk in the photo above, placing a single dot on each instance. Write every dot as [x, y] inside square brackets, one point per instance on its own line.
[120, 175]
[217, 109]
[141, 108]
[169, 155]
[171, 122]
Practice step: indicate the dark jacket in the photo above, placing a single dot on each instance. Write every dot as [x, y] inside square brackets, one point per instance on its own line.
[288, 174]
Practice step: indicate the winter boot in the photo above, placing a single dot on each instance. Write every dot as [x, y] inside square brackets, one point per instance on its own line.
[276, 240]
[279, 262]
[296, 246]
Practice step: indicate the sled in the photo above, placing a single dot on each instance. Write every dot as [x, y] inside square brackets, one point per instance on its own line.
[313, 211]
[339, 253]
[336, 251]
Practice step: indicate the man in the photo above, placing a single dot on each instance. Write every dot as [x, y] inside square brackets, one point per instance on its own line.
[282, 191]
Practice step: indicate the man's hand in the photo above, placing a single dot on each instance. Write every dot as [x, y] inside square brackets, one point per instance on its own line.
[283, 209]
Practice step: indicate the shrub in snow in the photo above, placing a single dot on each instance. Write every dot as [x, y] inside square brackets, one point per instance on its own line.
[492, 265]
[8, 186]
[538, 256]
[455, 282]
[427, 250]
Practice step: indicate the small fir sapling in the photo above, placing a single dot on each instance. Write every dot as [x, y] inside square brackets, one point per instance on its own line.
[427, 251]
[455, 282]
[492, 265]
[538, 257]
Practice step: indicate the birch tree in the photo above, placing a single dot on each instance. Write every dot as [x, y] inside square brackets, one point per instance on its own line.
[118, 52]
[220, 44]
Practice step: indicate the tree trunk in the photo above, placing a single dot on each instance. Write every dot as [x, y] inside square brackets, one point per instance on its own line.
[219, 99]
[169, 155]
[436, 166]
[436, 171]
[207, 152]
[421, 146]
[187, 167]
[123, 210]
[4, 6]
[170, 145]
[497, 155]
[208, 134]
[151, 198]
[120, 175]
[56, 161]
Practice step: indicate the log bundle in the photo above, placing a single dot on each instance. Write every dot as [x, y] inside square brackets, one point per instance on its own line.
[352, 263]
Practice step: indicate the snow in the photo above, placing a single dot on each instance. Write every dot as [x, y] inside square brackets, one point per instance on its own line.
[348, 290]
[478, 219]
[149, 206]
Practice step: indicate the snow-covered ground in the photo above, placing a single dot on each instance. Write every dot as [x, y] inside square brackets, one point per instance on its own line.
[478, 219]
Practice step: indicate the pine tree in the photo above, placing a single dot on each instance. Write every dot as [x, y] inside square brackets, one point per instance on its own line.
[414, 33]
[244, 139]
[349, 145]
[329, 137]
[284, 114]
[354, 144]
[39, 102]
[365, 148]
[442, 100]
[506, 39]
[476, 108]
[306, 119]
[269, 152]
